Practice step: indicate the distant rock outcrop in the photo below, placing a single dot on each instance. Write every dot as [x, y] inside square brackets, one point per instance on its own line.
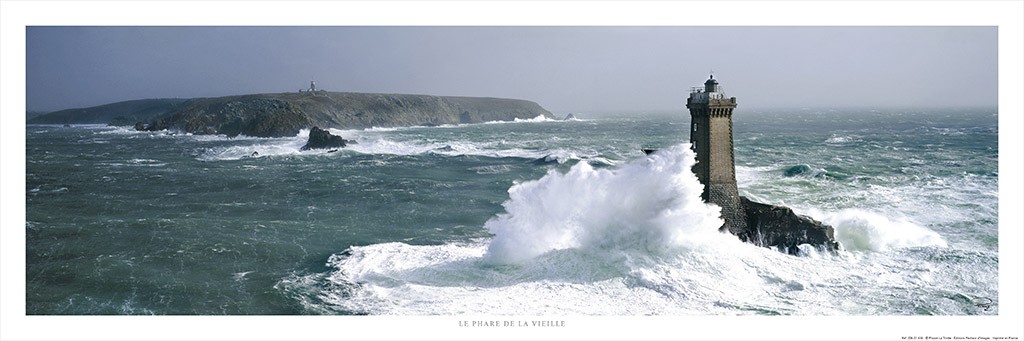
[30, 114]
[156, 125]
[121, 113]
[777, 226]
[284, 114]
[322, 139]
[569, 117]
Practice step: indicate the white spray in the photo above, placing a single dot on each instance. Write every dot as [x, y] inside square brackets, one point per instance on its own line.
[650, 205]
[634, 239]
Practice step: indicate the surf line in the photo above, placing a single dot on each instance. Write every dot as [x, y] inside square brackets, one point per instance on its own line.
[512, 323]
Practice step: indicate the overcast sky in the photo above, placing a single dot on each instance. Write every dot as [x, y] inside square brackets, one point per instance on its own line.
[565, 69]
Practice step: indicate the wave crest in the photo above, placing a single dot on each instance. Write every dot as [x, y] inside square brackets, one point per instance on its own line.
[860, 230]
[651, 204]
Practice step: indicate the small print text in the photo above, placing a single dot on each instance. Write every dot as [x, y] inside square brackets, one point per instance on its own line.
[512, 323]
[959, 338]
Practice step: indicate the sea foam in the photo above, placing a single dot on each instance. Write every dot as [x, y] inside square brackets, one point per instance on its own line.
[861, 230]
[380, 141]
[649, 204]
[633, 239]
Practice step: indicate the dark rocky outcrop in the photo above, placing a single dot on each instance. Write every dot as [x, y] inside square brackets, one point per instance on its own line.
[156, 125]
[777, 226]
[284, 114]
[251, 115]
[322, 139]
[569, 117]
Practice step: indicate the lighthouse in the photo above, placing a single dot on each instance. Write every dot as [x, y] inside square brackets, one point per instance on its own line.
[711, 139]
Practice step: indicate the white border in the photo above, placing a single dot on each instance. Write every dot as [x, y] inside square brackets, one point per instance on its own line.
[1007, 15]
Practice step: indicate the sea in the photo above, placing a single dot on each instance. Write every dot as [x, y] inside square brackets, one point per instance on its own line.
[539, 217]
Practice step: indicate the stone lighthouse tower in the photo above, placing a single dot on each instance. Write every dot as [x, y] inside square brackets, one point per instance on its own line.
[711, 139]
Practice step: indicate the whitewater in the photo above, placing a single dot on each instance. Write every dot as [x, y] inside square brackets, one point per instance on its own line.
[535, 217]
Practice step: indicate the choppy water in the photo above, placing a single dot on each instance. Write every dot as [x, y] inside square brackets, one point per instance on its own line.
[529, 218]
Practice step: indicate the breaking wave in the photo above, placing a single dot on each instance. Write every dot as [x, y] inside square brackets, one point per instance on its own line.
[379, 142]
[861, 230]
[651, 204]
[630, 240]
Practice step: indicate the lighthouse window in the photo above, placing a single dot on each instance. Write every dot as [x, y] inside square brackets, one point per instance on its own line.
[695, 127]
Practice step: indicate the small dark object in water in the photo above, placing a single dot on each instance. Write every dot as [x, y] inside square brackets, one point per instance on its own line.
[648, 151]
[550, 159]
[332, 150]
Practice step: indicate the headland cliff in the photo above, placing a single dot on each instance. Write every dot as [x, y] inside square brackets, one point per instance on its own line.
[284, 114]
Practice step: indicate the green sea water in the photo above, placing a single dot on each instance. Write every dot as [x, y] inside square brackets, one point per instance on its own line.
[522, 218]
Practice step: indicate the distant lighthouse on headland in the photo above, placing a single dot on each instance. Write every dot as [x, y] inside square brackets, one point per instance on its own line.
[711, 139]
[312, 88]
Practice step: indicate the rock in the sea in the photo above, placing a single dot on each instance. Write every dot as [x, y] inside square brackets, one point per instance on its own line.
[569, 117]
[157, 125]
[322, 139]
[777, 226]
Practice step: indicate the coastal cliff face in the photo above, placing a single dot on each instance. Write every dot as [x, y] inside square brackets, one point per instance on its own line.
[358, 110]
[252, 115]
[284, 114]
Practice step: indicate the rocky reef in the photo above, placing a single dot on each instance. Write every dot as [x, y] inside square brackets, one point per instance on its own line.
[780, 227]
